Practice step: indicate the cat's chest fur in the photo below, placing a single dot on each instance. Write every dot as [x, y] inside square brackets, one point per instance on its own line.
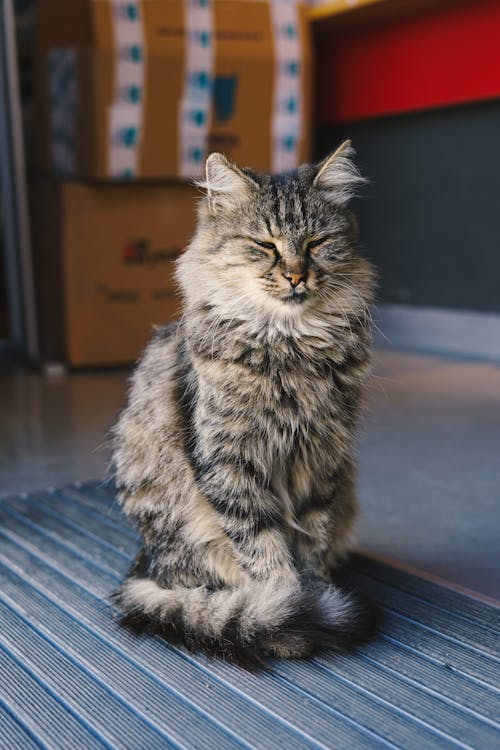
[282, 396]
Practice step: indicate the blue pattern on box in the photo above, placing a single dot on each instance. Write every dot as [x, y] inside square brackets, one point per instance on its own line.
[224, 97]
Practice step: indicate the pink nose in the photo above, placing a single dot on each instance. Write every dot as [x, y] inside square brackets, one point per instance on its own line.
[294, 278]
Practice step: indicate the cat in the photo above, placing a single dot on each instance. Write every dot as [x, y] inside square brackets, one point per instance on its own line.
[234, 454]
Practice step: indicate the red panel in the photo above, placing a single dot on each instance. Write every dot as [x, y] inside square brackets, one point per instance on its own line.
[440, 59]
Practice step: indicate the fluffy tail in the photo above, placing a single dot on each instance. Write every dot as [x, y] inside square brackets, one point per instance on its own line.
[247, 623]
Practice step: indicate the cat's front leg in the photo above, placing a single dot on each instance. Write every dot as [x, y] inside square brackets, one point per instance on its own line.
[327, 518]
[247, 511]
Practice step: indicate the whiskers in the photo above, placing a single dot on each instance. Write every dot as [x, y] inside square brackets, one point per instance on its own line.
[349, 304]
[224, 317]
[367, 303]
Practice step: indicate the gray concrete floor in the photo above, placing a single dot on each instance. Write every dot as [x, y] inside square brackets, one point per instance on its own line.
[429, 455]
[429, 479]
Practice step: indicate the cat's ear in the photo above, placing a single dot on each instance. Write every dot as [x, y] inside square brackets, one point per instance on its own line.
[338, 175]
[226, 185]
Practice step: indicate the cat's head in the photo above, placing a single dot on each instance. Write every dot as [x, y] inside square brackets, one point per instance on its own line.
[278, 243]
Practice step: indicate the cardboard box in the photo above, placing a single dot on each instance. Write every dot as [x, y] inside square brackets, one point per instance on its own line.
[147, 88]
[104, 265]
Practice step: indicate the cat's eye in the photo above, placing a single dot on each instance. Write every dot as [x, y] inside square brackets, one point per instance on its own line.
[268, 248]
[267, 245]
[315, 243]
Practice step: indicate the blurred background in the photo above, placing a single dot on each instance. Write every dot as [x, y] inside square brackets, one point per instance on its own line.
[107, 112]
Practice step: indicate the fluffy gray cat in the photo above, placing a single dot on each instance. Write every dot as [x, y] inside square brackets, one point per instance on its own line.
[235, 452]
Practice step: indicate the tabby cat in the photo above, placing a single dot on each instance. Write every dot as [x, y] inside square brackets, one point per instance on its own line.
[235, 452]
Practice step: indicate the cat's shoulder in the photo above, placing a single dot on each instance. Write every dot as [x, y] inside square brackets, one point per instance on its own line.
[160, 354]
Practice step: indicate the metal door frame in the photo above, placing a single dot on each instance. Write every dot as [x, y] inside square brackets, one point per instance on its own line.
[21, 306]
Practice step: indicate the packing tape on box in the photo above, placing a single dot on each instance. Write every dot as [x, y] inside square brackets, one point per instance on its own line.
[286, 125]
[196, 104]
[126, 113]
[62, 91]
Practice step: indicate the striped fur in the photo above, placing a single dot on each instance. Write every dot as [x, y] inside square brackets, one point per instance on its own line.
[235, 451]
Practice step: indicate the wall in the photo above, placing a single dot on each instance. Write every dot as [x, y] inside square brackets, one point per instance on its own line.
[430, 218]
[420, 99]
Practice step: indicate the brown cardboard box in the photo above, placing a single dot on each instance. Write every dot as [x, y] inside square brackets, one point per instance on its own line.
[123, 96]
[104, 265]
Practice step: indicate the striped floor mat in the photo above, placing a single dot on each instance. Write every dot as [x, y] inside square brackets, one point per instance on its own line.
[70, 679]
